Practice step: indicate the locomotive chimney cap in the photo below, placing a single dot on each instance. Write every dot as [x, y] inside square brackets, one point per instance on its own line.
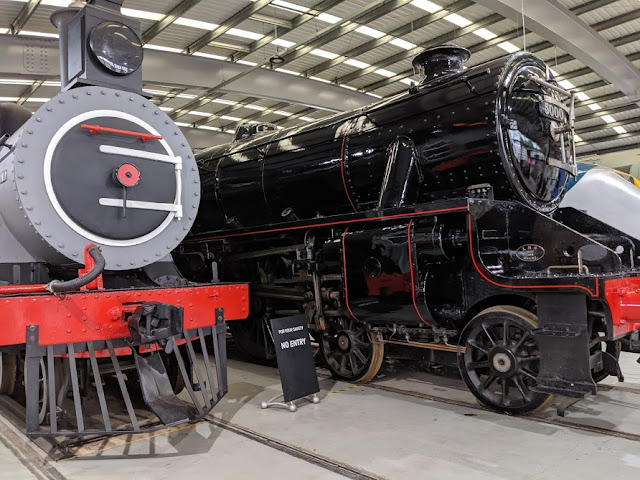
[440, 61]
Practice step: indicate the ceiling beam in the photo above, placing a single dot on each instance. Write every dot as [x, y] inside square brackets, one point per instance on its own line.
[30, 90]
[606, 126]
[477, 47]
[25, 14]
[551, 20]
[608, 138]
[279, 22]
[398, 32]
[175, 70]
[295, 23]
[228, 24]
[179, 10]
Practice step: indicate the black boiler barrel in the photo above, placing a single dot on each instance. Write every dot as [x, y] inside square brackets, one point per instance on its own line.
[338, 165]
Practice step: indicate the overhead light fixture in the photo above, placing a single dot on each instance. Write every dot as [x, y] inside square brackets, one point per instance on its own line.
[187, 22]
[229, 118]
[325, 17]
[385, 73]
[142, 14]
[209, 55]
[282, 43]
[8, 99]
[577, 138]
[318, 79]
[398, 42]
[288, 72]
[426, 5]
[566, 84]
[200, 114]
[608, 118]
[508, 47]
[595, 106]
[207, 127]
[38, 99]
[458, 20]
[324, 54]
[244, 34]
[356, 63]
[283, 113]
[223, 101]
[255, 107]
[166, 109]
[289, 6]
[245, 62]
[307, 119]
[29, 33]
[620, 130]
[161, 48]
[373, 95]
[370, 32]
[582, 96]
[348, 87]
[183, 124]
[484, 34]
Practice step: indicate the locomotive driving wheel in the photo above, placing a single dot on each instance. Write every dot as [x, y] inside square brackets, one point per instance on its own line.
[501, 361]
[252, 336]
[348, 351]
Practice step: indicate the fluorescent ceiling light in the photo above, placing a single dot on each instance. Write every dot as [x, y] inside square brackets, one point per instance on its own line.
[56, 3]
[508, 46]
[209, 55]
[407, 81]
[318, 79]
[38, 99]
[253, 122]
[4, 30]
[356, 63]
[166, 109]
[151, 46]
[307, 119]
[292, 6]
[373, 95]
[283, 113]
[38, 34]
[608, 118]
[484, 33]
[244, 34]
[582, 96]
[290, 72]
[10, 81]
[324, 54]
[566, 84]
[207, 127]
[143, 14]
[458, 20]
[325, 17]
[426, 5]
[370, 32]
[245, 62]
[200, 114]
[186, 95]
[183, 124]
[255, 107]
[187, 22]
[554, 73]
[279, 127]
[577, 138]
[595, 106]
[232, 132]
[620, 130]
[348, 87]
[51, 83]
[398, 42]
[385, 73]
[231, 119]
[155, 92]
[8, 99]
[283, 43]
[224, 102]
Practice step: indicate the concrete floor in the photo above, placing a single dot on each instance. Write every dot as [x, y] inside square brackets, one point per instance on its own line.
[376, 432]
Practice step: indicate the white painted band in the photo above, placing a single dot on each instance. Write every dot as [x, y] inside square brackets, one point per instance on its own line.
[164, 207]
[130, 152]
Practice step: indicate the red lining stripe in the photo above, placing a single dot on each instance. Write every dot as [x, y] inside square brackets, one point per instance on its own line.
[344, 268]
[344, 181]
[413, 285]
[329, 224]
[482, 274]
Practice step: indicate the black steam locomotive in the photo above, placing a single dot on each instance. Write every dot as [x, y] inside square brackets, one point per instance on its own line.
[429, 220]
[99, 177]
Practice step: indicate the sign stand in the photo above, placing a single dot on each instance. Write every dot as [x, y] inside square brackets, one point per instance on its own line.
[295, 362]
[290, 405]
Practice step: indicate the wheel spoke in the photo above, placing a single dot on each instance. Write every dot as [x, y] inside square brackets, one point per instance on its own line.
[477, 365]
[489, 381]
[352, 362]
[529, 359]
[505, 333]
[527, 373]
[521, 388]
[505, 390]
[526, 335]
[359, 355]
[477, 346]
[343, 363]
[489, 335]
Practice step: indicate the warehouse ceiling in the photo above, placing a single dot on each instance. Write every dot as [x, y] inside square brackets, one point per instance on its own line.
[357, 47]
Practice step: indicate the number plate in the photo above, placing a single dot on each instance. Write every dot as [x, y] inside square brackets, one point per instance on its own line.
[550, 108]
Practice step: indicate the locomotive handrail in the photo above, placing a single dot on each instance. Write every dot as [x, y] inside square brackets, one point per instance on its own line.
[145, 137]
